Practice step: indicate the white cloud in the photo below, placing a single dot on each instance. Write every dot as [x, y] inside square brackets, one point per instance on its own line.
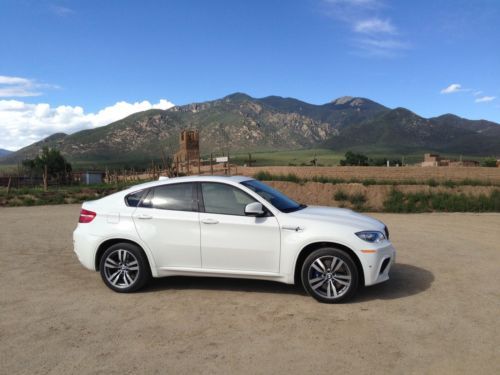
[61, 11]
[381, 47]
[23, 123]
[478, 94]
[375, 36]
[11, 87]
[374, 25]
[454, 87]
[484, 99]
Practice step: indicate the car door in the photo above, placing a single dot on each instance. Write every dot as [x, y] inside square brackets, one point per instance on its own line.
[230, 240]
[167, 220]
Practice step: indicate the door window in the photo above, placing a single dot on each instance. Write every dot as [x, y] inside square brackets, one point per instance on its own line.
[224, 199]
[177, 197]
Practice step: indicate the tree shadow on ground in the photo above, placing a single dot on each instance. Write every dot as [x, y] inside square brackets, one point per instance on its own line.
[405, 280]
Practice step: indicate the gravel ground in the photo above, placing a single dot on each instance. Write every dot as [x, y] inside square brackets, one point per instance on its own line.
[439, 313]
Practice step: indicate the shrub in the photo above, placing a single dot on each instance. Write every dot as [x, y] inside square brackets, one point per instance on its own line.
[28, 201]
[449, 184]
[432, 182]
[489, 162]
[263, 176]
[341, 196]
[444, 202]
[357, 199]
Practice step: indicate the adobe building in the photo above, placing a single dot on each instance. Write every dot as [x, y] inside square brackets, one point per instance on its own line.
[189, 147]
[431, 160]
[434, 160]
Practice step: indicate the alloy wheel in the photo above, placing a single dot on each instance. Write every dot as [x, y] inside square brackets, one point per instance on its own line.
[329, 276]
[121, 268]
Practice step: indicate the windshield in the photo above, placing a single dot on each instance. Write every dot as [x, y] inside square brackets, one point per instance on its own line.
[276, 198]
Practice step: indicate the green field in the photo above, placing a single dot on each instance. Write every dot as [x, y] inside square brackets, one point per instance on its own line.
[324, 157]
[327, 157]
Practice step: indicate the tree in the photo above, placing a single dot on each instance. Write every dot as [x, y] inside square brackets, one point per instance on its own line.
[489, 162]
[352, 158]
[50, 164]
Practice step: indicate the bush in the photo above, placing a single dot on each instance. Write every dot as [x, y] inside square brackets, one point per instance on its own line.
[489, 162]
[432, 182]
[263, 176]
[444, 202]
[340, 196]
[28, 201]
[352, 158]
[449, 184]
[357, 199]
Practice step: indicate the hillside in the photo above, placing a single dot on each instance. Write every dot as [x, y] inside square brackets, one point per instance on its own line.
[4, 152]
[240, 123]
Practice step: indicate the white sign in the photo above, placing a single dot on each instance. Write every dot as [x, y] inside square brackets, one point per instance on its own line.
[221, 159]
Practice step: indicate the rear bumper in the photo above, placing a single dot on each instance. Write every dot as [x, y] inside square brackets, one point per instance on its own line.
[84, 246]
[376, 266]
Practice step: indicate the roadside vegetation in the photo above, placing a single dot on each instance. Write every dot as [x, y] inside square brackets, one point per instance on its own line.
[291, 177]
[452, 199]
[37, 196]
[357, 200]
[400, 202]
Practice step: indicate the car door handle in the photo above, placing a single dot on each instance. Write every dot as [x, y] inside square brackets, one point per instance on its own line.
[209, 221]
[144, 217]
[292, 227]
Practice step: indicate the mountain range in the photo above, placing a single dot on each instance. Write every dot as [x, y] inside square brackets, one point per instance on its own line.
[4, 152]
[240, 123]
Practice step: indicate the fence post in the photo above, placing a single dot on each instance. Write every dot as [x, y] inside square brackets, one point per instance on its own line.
[45, 178]
[8, 185]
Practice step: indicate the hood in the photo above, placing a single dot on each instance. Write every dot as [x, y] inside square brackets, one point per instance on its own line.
[340, 216]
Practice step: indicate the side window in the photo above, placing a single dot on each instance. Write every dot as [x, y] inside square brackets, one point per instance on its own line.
[178, 197]
[147, 201]
[134, 198]
[224, 199]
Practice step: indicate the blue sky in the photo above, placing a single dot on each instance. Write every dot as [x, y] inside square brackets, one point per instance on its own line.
[65, 64]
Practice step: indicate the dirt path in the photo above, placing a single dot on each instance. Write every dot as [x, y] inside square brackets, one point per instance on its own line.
[438, 314]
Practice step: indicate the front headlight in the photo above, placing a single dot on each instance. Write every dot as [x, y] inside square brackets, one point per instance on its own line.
[371, 236]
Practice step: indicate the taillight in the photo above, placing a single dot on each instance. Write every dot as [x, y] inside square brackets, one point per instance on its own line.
[86, 216]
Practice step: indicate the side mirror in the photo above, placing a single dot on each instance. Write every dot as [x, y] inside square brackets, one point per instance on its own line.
[254, 209]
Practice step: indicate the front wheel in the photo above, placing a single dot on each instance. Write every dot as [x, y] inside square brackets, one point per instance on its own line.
[124, 268]
[330, 275]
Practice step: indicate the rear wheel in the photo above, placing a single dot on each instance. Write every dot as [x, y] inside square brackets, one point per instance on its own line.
[124, 268]
[330, 275]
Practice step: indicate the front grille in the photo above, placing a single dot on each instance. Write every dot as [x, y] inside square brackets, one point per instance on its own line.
[386, 230]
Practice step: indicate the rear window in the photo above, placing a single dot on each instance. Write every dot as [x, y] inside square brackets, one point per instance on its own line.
[134, 198]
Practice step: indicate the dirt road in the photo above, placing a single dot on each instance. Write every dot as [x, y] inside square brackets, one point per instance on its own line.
[439, 313]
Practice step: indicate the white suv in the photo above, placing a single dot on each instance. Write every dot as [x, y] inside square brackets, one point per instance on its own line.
[230, 227]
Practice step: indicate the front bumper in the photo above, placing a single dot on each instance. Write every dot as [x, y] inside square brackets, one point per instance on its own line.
[377, 265]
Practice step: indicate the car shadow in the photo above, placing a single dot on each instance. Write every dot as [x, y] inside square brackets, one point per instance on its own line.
[220, 283]
[405, 280]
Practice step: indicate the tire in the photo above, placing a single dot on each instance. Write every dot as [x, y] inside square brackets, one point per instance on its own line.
[124, 268]
[327, 285]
